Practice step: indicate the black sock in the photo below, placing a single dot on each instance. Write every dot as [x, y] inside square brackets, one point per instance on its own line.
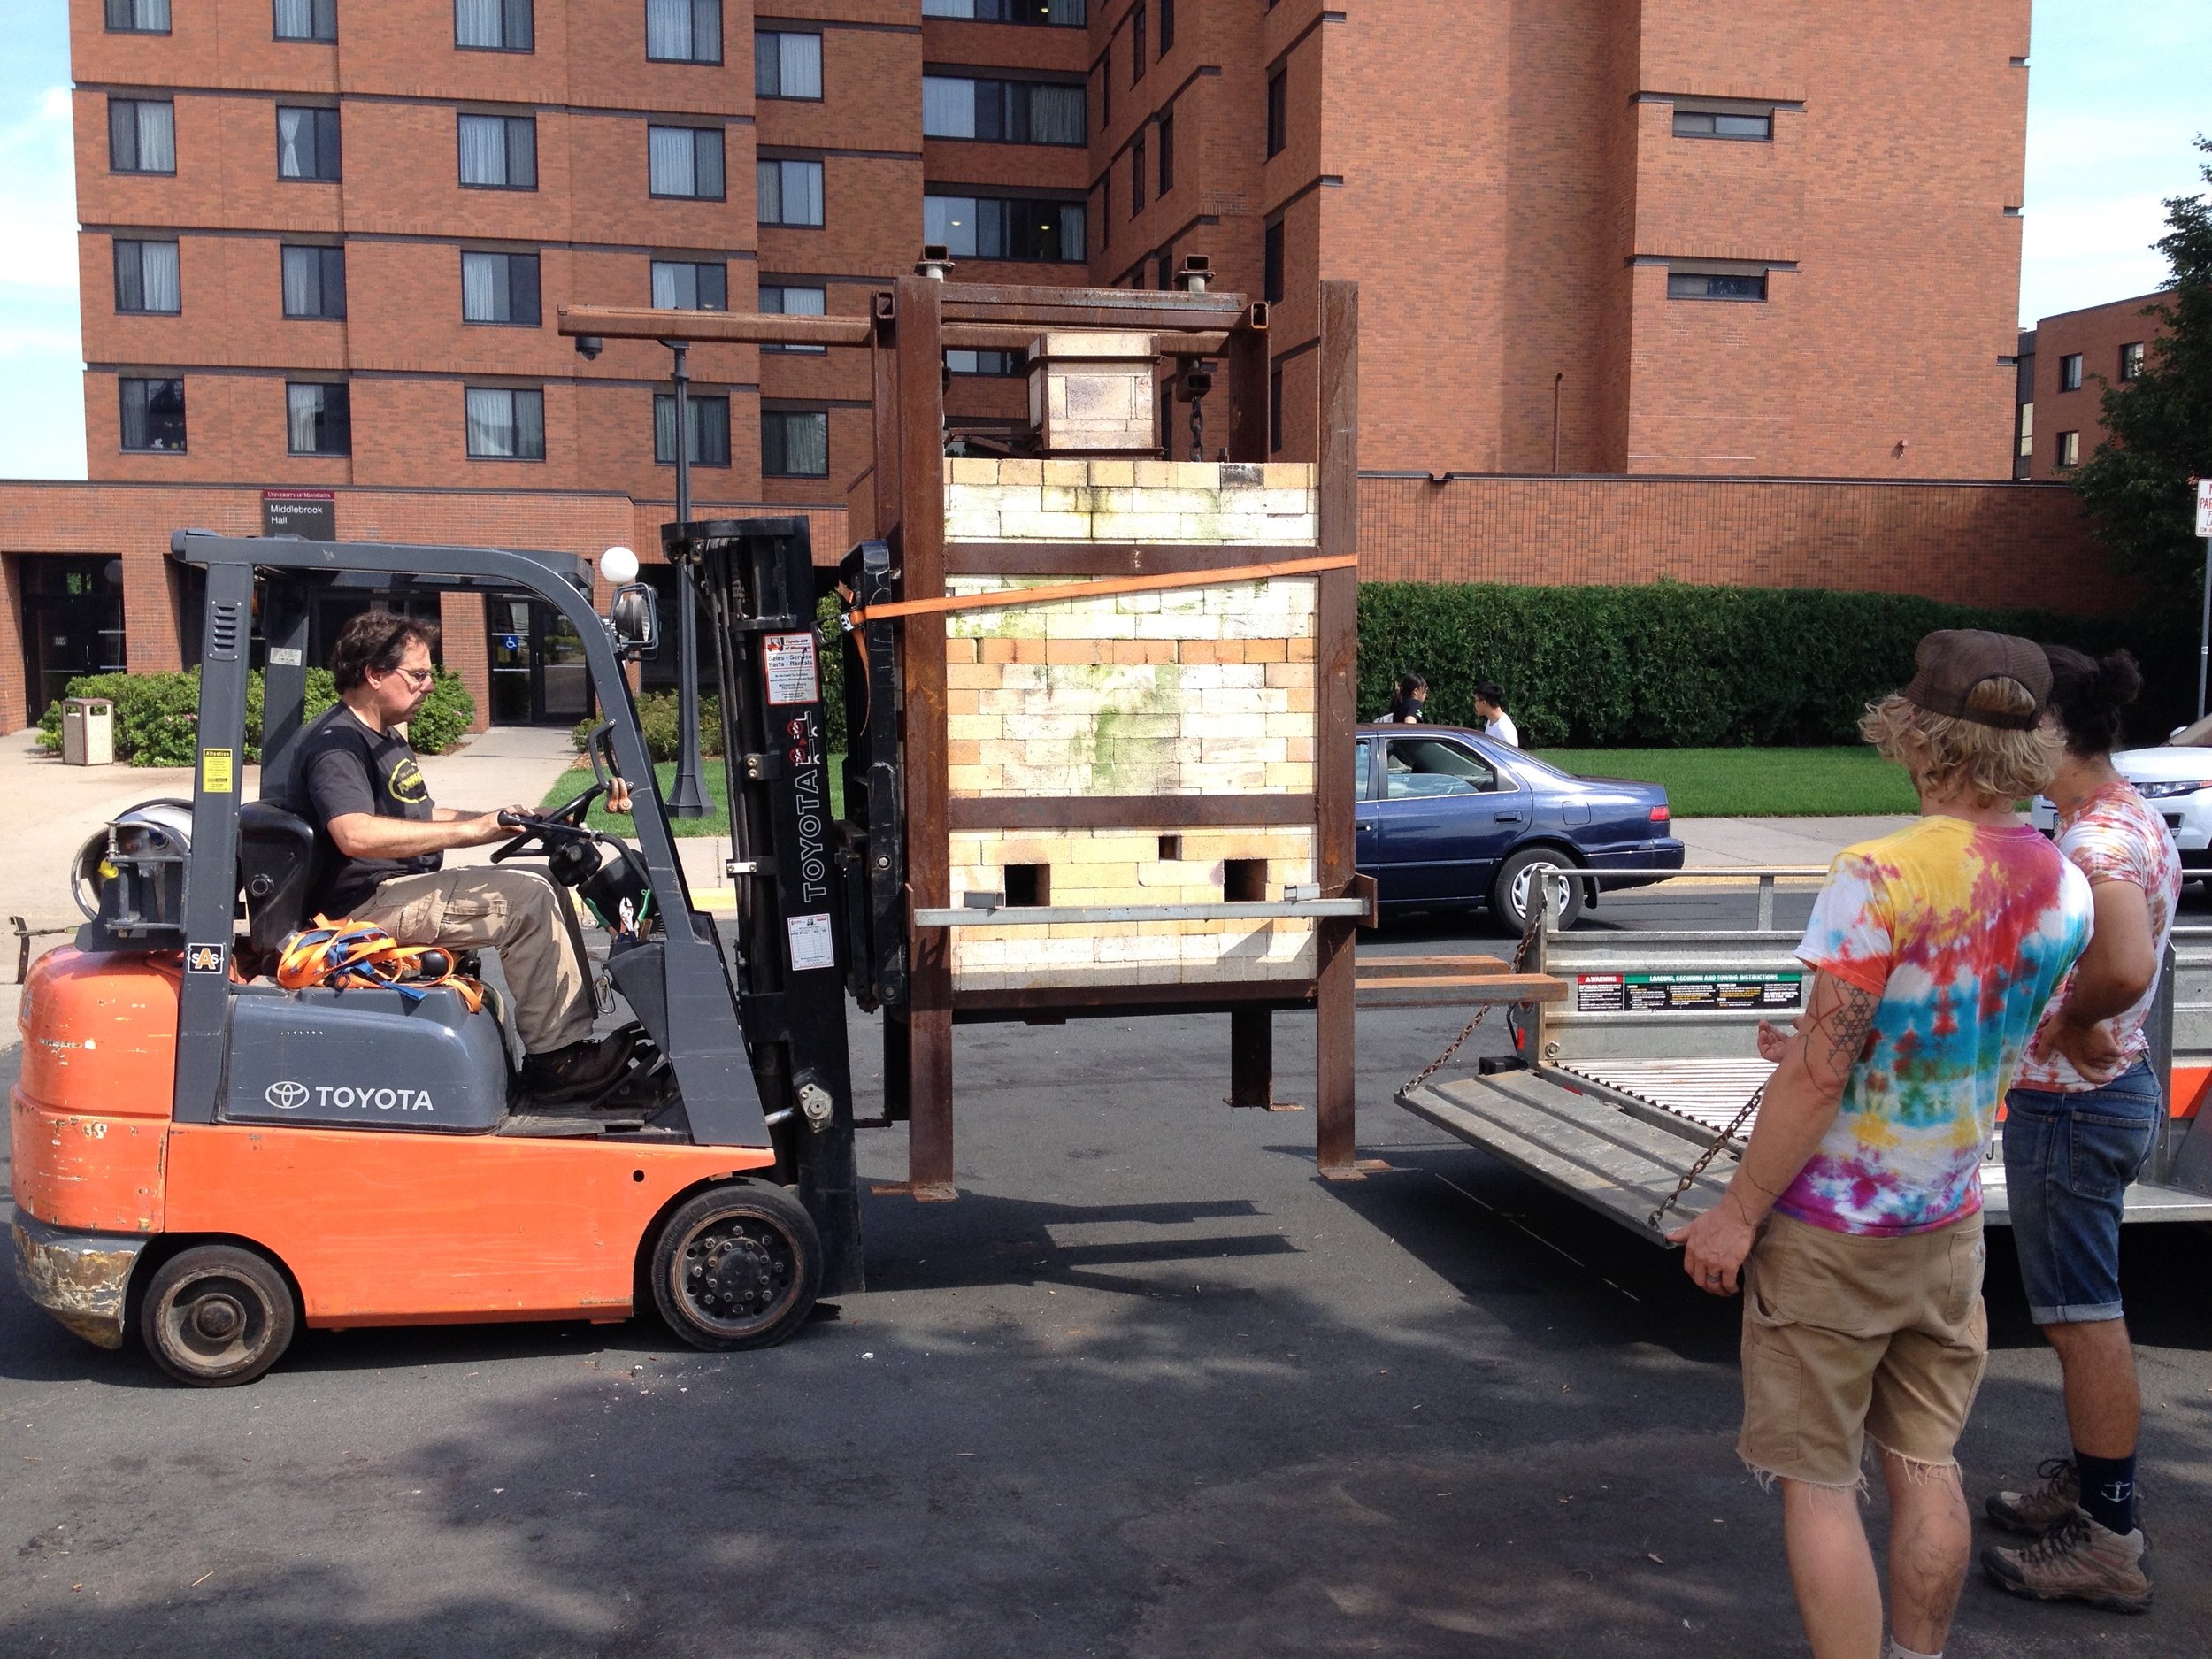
[2107, 1490]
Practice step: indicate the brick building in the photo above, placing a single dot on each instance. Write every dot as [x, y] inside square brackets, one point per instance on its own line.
[324, 242]
[2068, 363]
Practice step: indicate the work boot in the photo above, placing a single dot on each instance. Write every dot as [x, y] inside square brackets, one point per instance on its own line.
[2033, 1514]
[2076, 1560]
[576, 1072]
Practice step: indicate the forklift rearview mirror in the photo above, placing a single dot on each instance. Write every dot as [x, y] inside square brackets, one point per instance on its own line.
[635, 617]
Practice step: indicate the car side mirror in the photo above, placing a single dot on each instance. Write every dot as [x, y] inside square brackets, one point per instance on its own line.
[634, 615]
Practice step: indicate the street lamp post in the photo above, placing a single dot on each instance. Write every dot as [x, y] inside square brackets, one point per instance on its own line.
[687, 799]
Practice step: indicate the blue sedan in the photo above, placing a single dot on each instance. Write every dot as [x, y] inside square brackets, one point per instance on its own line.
[1448, 819]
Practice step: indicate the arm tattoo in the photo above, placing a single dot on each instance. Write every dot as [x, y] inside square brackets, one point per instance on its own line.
[1836, 1035]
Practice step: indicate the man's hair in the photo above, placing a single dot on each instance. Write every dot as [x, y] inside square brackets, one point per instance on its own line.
[2088, 696]
[376, 639]
[1492, 692]
[1945, 754]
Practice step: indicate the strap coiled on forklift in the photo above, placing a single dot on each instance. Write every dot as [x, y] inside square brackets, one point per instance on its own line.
[360, 955]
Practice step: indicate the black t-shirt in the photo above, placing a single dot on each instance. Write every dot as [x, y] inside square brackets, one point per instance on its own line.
[342, 767]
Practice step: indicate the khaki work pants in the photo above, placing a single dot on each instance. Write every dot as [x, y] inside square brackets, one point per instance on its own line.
[521, 914]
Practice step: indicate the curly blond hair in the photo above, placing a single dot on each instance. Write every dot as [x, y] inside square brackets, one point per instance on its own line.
[1947, 755]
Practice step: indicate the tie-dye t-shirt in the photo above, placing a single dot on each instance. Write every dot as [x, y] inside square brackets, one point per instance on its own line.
[2113, 836]
[1963, 932]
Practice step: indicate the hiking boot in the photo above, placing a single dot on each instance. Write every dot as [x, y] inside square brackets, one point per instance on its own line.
[2077, 1561]
[576, 1072]
[2033, 1514]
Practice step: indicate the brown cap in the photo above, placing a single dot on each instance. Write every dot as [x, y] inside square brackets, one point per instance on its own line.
[1954, 663]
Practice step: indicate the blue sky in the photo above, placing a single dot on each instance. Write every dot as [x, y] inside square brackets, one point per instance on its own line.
[2116, 91]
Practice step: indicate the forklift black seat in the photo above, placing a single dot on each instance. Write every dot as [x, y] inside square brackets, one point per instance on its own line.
[277, 866]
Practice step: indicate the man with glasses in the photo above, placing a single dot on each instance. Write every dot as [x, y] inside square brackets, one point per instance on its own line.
[383, 843]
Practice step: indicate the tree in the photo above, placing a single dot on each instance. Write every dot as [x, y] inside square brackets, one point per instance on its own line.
[2159, 425]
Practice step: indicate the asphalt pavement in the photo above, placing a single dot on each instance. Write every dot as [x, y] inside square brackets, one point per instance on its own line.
[1147, 1388]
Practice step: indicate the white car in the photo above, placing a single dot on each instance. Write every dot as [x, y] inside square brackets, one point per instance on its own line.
[2176, 780]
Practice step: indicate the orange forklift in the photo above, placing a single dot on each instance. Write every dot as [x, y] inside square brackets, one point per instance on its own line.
[210, 1159]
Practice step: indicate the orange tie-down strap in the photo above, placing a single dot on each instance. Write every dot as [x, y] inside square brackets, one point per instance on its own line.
[1010, 597]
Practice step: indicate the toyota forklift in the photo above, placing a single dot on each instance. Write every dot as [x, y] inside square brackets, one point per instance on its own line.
[209, 1159]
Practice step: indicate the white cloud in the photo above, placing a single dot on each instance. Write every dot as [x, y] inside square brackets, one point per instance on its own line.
[38, 198]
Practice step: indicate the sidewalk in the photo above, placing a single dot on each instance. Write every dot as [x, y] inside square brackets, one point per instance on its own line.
[1775, 842]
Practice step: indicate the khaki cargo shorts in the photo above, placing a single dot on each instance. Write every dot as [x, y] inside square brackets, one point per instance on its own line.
[1848, 1337]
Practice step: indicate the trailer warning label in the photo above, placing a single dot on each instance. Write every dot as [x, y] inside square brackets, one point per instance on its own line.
[1685, 993]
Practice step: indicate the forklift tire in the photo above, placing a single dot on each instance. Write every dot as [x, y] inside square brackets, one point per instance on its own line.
[737, 1266]
[216, 1315]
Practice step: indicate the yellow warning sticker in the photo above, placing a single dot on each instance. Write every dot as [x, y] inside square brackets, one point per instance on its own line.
[218, 776]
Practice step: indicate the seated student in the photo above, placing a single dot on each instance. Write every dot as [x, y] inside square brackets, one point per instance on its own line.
[1490, 705]
[1405, 704]
[383, 841]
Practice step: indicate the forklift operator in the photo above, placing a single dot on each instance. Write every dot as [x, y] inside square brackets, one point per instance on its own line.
[383, 841]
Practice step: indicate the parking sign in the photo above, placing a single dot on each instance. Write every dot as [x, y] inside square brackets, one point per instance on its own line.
[2204, 507]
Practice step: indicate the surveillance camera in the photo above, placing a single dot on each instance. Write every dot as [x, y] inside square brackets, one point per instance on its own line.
[589, 346]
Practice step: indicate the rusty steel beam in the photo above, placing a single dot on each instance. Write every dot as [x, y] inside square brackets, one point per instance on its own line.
[1107, 558]
[1336, 650]
[628, 322]
[1128, 812]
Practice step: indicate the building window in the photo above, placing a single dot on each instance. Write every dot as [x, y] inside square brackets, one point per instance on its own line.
[2027, 430]
[307, 19]
[989, 363]
[146, 277]
[710, 429]
[142, 135]
[1272, 263]
[318, 420]
[1105, 211]
[785, 65]
[683, 31]
[684, 285]
[685, 161]
[2069, 372]
[793, 443]
[2131, 361]
[789, 192]
[1167, 26]
[505, 424]
[2070, 449]
[315, 283]
[138, 16]
[1106, 93]
[1716, 285]
[153, 415]
[995, 227]
[307, 144]
[1167, 154]
[1071, 14]
[1278, 111]
[1275, 413]
[500, 288]
[1136, 173]
[786, 300]
[494, 26]
[1001, 112]
[1718, 124]
[499, 152]
[1136, 45]
[1163, 271]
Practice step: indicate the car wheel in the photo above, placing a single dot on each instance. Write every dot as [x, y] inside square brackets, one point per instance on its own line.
[1516, 886]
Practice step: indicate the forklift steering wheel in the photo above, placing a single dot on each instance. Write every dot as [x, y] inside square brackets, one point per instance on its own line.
[540, 833]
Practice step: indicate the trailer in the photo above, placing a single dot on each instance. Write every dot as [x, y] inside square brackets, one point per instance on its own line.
[1635, 1053]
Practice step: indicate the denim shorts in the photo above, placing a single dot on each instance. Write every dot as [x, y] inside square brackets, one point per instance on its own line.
[2069, 1157]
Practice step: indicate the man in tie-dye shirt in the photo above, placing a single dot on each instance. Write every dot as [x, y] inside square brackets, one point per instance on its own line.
[1855, 1216]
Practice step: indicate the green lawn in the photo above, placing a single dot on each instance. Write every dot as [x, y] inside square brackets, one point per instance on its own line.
[1755, 782]
[717, 820]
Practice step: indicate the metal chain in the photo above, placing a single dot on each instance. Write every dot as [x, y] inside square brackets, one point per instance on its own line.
[1520, 959]
[1197, 429]
[1705, 1157]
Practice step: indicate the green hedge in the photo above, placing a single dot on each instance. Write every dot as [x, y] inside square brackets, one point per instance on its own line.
[158, 716]
[1672, 665]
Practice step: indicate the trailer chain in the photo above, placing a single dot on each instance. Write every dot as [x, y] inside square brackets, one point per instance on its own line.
[1535, 921]
[1705, 1157]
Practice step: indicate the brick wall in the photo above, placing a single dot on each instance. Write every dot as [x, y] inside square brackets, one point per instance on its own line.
[2094, 334]
[2001, 544]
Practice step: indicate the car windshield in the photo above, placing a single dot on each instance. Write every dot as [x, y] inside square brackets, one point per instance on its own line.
[1431, 766]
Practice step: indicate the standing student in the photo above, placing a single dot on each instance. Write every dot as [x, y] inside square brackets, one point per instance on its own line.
[1406, 704]
[1490, 705]
[1855, 1216]
[2081, 1119]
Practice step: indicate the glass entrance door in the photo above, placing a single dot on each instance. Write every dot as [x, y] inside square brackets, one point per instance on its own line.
[72, 624]
[538, 671]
